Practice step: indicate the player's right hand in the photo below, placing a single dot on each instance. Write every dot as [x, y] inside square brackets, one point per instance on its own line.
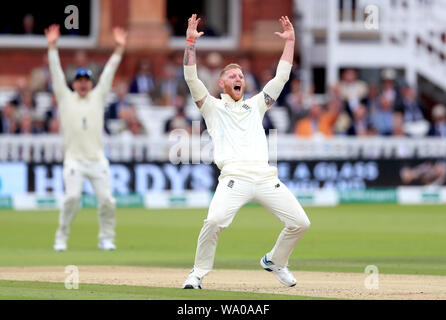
[52, 33]
[191, 32]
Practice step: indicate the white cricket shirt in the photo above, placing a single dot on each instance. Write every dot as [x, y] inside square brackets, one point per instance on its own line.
[82, 119]
[240, 145]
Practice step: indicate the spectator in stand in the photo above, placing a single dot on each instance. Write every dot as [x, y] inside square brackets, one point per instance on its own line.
[135, 127]
[352, 90]
[204, 72]
[251, 83]
[180, 120]
[411, 112]
[344, 118]
[382, 118]
[389, 89]
[51, 113]
[114, 111]
[30, 122]
[40, 78]
[318, 122]
[81, 61]
[131, 122]
[9, 119]
[438, 127]
[371, 101]
[21, 87]
[26, 107]
[26, 125]
[177, 59]
[54, 126]
[143, 81]
[168, 87]
[38, 122]
[335, 93]
[409, 106]
[398, 125]
[297, 103]
[214, 62]
[28, 24]
[121, 101]
[266, 75]
[360, 123]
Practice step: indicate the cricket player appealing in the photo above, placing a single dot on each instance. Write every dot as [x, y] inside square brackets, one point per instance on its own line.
[82, 121]
[241, 153]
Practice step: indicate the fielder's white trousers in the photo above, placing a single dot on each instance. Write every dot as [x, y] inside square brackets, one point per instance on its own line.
[74, 173]
[230, 196]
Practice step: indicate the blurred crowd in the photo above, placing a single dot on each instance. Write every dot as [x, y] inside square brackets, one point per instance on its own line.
[356, 108]
[352, 106]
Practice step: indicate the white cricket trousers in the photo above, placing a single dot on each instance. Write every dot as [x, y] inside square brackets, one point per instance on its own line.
[74, 173]
[231, 194]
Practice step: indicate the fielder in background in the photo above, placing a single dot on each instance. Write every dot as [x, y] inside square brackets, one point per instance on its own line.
[241, 153]
[82, 122]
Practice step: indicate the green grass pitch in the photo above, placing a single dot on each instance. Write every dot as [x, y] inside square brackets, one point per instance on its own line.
[29, 290]
[347, 238]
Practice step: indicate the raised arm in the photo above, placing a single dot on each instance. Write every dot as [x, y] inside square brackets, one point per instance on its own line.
[274, 87]
[197, 89]
[59, 83]
[106, 78]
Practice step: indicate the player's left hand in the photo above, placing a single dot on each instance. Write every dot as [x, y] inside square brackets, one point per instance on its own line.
[288, 30]
[120, 36]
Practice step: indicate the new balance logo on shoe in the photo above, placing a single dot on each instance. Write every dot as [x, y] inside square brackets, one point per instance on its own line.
[282, 274]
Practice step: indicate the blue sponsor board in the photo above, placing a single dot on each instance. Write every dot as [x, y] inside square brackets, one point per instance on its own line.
[13, 178]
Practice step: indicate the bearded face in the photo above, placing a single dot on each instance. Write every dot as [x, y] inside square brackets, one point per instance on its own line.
[233, 83]
[82, 86]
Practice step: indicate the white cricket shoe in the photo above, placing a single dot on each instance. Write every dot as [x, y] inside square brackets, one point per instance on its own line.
[282, 274]
[60, 246]
[106, 244]
[192, 281]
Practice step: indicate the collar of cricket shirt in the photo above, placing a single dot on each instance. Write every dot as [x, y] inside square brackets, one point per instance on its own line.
[227, 100]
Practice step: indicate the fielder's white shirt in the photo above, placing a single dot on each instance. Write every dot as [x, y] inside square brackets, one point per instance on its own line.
[240, 144]
[82, 119]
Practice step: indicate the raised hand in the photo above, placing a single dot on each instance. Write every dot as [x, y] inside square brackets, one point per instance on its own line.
[120, 36]
[288, 30]
[52, 33]
[191, 32]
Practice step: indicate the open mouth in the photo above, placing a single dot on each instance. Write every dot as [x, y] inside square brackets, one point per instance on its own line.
[237, 89]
